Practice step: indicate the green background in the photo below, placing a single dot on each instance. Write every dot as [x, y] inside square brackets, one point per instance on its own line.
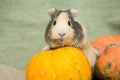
[23, 24]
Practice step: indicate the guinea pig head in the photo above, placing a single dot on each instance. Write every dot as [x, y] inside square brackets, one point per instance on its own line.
[60, 30]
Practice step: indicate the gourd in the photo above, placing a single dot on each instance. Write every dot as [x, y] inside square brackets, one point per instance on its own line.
[108, 64]
[67, 63]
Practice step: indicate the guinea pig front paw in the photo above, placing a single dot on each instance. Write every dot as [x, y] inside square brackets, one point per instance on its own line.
[46, 48]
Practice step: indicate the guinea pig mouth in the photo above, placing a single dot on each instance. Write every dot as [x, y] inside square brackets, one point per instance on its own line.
[61, 39]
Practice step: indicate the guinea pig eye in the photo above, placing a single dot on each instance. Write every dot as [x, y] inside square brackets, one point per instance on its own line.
[69, 23]
[54, 23]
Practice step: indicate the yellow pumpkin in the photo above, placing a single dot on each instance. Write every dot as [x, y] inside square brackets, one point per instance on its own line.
[65, 63]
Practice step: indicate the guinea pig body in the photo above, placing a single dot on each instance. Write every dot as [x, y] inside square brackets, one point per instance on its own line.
[64, 30]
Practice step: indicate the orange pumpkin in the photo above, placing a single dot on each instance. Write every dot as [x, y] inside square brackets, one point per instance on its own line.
[102, 42]
[66, 63]
[108, 64]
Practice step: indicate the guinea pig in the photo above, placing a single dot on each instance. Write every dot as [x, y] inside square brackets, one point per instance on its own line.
[65, 30]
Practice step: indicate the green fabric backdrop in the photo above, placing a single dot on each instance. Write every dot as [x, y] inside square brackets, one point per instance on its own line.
[23, 23]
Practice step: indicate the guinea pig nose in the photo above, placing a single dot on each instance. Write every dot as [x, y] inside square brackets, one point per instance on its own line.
[61, 34]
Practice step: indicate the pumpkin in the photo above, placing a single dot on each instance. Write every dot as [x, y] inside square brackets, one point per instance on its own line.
[65, 63]
[108, 64]
[102, 42]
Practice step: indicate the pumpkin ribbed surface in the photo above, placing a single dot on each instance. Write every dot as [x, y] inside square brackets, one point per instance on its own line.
[102, 42]
[108, 64]
[65, 63]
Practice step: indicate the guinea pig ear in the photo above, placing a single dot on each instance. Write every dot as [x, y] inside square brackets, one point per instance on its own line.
[51, 12]
[74, 13]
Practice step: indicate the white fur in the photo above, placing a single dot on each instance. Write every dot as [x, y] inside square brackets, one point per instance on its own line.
[74, 13]
[51, 11]
[62, 26]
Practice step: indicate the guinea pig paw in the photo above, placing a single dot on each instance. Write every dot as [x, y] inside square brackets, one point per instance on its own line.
[46, 48]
